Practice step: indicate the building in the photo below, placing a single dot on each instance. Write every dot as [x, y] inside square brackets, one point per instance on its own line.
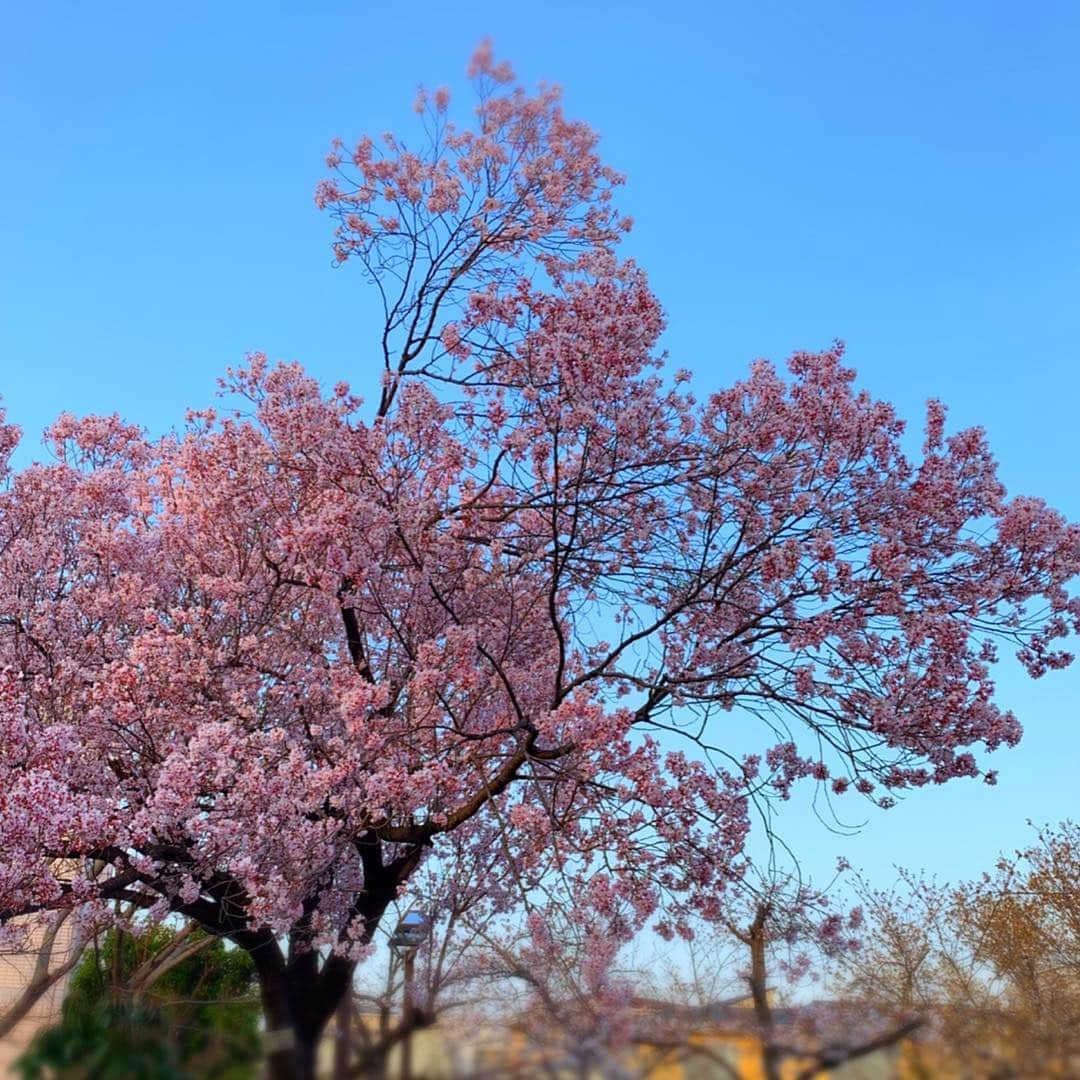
[44, 954]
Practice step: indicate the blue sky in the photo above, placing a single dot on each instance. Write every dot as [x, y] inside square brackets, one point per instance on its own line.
[904, 177]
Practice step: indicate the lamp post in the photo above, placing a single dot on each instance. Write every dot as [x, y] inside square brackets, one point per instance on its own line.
[408, 936]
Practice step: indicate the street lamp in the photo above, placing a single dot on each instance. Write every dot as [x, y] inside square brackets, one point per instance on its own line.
[411, 932]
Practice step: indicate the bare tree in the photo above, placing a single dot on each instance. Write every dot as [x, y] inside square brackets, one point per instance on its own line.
[54, 951]
[994, 962]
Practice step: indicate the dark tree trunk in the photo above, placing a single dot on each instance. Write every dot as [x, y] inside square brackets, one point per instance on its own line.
[291, 1062]
[298, 998]
[290, 1051]
[298, 1001]
[343, 1043]
[299, 988]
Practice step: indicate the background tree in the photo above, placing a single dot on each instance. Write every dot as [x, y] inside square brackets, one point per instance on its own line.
[263, 669]
[788, 929]
[54, 952]
[166, 1004]
[583, 1001]
[455, 894]
[42, 948]
[993, 964]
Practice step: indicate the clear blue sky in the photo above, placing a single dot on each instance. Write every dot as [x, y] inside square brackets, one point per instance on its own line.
[902, 176]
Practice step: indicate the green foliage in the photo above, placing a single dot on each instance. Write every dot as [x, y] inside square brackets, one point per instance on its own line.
[198, 1019]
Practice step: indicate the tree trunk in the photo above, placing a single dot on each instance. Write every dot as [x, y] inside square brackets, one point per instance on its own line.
[290, 1051]
[297, 1001]
[343, 1042]
[300, 989]
[289, 1060]
[759, 989]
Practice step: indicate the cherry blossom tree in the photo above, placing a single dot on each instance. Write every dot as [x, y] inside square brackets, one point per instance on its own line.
[265, 667]
[588, 1002]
